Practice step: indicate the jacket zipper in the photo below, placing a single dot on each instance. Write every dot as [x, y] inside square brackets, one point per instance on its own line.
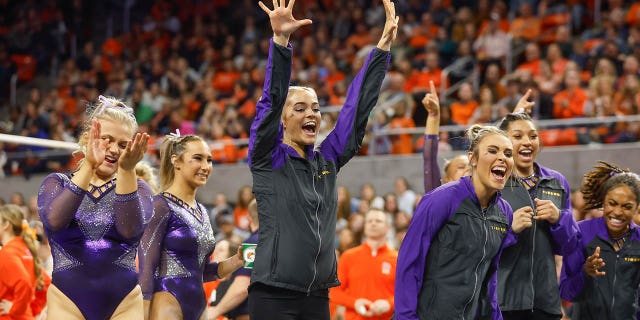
[484, 252]
[615, 274]
[315, 262]
[533, 251]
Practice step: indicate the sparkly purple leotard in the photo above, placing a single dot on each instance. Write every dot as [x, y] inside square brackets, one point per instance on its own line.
[93, 240]
[175, 252]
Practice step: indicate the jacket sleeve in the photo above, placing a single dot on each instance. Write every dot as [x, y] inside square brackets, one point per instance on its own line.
[345, 140]
[151, 247]
[430, 215]
[565, 233]
[13, 275]
[133, 210]
[58, 201]
[266, 130]
[572, 276]
[432, 178]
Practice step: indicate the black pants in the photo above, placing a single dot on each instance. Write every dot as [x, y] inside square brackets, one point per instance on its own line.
[534, 314]
[266, 303]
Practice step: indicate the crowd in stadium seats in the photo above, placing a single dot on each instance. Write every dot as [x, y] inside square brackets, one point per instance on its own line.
[198, 66]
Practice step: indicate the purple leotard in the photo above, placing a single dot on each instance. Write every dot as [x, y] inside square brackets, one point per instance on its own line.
[175, 252]
[93, 240]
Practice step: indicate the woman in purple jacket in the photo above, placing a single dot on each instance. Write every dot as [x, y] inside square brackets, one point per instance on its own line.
[94, 220]
[448, 260]
[603, 276]
[295, 182]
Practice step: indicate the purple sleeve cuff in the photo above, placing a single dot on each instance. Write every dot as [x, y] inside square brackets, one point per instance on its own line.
[126, 197]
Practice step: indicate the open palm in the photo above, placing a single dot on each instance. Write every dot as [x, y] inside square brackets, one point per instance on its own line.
[282, 21]
[96, 146]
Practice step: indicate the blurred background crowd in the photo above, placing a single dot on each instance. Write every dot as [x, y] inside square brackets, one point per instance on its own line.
[198, 66]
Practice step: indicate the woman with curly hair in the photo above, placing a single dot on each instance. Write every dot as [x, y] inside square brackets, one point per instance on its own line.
[603, 276]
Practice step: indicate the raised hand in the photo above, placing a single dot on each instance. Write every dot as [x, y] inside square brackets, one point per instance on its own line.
[390, 26]
[134, 152]
[522, 219]
[282, 21]
[431, 102]
[593, 263]
[546, 210]
[96, 148]
[523, 104]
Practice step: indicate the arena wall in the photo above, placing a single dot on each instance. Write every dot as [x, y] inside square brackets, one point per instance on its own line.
[381, 171]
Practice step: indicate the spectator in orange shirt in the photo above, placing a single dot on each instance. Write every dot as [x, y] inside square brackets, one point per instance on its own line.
[367, 273]
[527, 25]
[361, 37]
[633, 15]
[241, 212]
[419, 80]
[401, 143]
[570, 102]
[423, 33]
[532, 62]
[463, 109]
[556, 60]
[492, 75]
[20, 266]
[224, 79]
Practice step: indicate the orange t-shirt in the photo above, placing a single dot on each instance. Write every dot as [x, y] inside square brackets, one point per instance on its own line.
[224, 150]
[224, 81]
[532, 66]
[575, 104]
[365, 274]
[526, 28]
[633, 16]
[401, 143]
[241, 217]
[461, 112]
[419, 80]
[17, 279]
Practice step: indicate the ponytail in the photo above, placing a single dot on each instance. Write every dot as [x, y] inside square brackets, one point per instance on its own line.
[13, 214]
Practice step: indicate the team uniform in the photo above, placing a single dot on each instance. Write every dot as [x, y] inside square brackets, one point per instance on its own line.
[447, 264]
[527, 277]
[94, 254]
[614, 295]
[297, 196]
[175, 254]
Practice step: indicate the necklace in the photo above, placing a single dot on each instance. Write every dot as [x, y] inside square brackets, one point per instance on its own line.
[619, 242]
[529, 181]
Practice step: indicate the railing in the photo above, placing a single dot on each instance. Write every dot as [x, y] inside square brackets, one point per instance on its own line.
[459, 64]
[541, 124]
